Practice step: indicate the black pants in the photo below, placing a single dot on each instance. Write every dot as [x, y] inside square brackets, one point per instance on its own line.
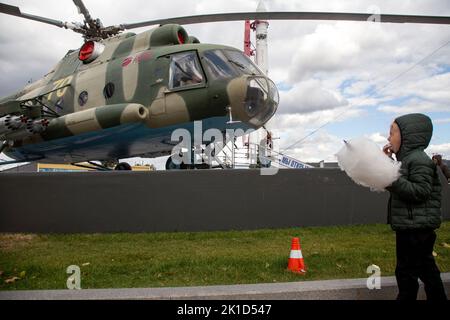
[415, 261]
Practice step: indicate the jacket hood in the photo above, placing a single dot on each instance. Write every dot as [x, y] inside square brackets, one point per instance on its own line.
[416, 131]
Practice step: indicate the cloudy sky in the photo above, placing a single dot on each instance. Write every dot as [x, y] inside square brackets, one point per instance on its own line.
[350, 79]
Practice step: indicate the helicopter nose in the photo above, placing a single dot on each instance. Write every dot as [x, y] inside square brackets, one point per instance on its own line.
[253, 99]
[261, 101]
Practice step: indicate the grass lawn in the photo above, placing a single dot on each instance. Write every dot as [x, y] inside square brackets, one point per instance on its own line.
[195, 259]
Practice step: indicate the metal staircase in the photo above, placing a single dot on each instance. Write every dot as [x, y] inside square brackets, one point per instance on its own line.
[254, 155]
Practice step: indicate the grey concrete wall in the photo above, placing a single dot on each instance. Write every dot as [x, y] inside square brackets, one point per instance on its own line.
[186, 201]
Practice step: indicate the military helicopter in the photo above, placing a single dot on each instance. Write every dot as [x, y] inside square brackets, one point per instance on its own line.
[122, 94]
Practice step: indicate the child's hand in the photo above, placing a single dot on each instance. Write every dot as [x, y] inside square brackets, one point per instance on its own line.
[387, 149]
[437, 158]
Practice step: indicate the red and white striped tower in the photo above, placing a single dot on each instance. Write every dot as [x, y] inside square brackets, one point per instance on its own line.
[261, 58]
[262, 52]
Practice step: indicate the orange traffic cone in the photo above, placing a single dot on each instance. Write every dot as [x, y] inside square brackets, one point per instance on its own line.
[296, 263]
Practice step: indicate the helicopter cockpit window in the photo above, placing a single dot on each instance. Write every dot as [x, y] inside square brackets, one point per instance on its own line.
[217, 65]
[185, 70]
[242, 62]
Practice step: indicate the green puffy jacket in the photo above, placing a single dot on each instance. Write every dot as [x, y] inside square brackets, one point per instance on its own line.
[415, 200]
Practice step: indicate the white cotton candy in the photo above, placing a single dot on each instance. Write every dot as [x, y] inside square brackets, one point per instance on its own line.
[367, 165]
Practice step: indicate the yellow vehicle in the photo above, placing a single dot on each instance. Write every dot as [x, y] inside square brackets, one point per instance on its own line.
[56, 167]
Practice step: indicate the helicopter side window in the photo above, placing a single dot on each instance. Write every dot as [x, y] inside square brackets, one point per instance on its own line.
[185, 70]
[242, 62]
[217, 65]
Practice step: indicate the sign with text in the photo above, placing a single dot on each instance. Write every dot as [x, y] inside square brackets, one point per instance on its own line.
[293, 163]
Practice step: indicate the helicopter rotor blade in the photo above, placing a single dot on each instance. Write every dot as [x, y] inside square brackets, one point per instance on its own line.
[85, 12]
[389, 18]
[15, 11]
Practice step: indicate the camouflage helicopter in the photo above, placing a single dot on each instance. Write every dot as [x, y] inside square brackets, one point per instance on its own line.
[121, 95]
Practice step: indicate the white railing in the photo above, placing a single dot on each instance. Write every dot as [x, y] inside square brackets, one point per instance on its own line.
[255, 155]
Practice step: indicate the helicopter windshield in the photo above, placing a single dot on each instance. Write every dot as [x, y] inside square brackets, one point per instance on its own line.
[242, 62]
[217, 65]
[185, 70]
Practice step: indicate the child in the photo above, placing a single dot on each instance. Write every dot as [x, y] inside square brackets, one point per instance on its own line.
[414, 208]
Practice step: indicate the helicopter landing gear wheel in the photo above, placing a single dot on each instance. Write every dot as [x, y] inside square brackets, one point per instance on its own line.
[202, 166]
[123, 166]
[170, 165]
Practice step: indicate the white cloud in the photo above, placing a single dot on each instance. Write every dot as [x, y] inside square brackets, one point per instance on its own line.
[302, 137]
[442, 149]
[313, 120]
[439, 121]
[426, 87]
[415, 105]
[321, 146]
[378, 138]
[341, 46]
[309, 96]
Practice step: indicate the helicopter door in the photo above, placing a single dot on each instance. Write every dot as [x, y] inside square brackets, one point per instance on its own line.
[160, 72]
[186, 97]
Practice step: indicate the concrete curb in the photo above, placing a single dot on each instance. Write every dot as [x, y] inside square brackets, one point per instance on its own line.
[347, 289]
